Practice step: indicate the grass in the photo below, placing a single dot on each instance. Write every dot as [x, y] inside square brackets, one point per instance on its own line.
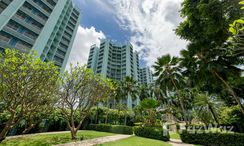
[51, 139]
[174, 135]
[136, 141]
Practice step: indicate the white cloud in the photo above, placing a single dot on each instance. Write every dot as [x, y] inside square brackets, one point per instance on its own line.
[85, 37]
[152, 23]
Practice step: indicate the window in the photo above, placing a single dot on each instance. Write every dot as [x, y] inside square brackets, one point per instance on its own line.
[23, 45]
[5, 37]
[51, 2]
[11, 24]
[21, 15]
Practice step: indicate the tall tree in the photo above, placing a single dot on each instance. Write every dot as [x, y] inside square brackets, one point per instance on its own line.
[170, 79]
[80, 91]
[26, 85]
[206, 27]
[130, 89]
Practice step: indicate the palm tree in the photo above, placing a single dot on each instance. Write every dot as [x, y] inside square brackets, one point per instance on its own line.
[143, 91]
[130, 89]
[205, 103]
[170, 79]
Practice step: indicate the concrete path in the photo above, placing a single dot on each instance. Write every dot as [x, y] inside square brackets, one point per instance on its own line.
[95, 141]
[178, 142]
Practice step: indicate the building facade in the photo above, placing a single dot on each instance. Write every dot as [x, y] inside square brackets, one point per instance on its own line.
[114, 61]
[146, 75]
[46, 26]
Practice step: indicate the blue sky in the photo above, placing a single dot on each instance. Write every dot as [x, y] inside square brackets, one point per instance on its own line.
[148, 24]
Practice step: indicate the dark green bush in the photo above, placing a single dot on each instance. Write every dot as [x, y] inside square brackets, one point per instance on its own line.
[212, 139]
[151, 132]
[120, 129]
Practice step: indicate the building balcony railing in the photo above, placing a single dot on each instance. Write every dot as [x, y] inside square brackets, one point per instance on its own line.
[33, 16]
[38, 8]
[33, 28]
[18, 35]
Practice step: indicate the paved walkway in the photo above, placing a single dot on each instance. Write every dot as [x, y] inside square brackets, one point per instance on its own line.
[178, 142]
[95, 141]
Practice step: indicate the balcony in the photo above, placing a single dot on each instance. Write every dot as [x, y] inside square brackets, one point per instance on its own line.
[18, 35]
[33, 16]
[38, 8]
[33, 28]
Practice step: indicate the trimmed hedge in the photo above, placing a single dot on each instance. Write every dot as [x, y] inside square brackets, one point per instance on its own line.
[120, 129]
[212, 139]
[150, 132]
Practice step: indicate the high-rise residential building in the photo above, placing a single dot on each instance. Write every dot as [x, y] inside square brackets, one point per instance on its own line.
[114, 61]
[46, 26]
[146, 75]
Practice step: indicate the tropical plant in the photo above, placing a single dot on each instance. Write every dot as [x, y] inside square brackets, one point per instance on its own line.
[27, 86]
[170, 80]
[207, 107]
[80, 91]
[214, 63]
[149, 107]
[130, 89]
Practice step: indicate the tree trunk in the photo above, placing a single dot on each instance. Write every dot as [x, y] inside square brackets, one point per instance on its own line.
[106, 118]
[27, 130]
[214, 115]
[184, 113]
[4, 132]
[73, 133]
[125, 121]
[10, 123]
[232, 92]
[97, 115]
[181, 104]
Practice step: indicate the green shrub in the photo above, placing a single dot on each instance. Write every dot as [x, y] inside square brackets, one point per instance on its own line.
[151, 132]
[99, 127]
[212, 139]
[232, 116]
[120, 129]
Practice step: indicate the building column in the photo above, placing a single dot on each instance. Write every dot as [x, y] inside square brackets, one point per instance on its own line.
[9, 12]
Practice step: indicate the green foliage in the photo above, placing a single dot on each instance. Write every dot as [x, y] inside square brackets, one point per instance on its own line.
[28, 87]
[213, 139]
[149, 112]
[232, 116]
[81, 90]
[211, 59]
[149, 103]
[151, 132]
[207, 107]
[237, 26]
[120, 129]
[109, 116]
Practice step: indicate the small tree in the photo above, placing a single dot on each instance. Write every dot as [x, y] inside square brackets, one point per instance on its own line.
[149, 106]
[80, 91]
[26, 85]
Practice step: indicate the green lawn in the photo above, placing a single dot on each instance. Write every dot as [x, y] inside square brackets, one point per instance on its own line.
[136, 141]
[51, 139]
[174, 135]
